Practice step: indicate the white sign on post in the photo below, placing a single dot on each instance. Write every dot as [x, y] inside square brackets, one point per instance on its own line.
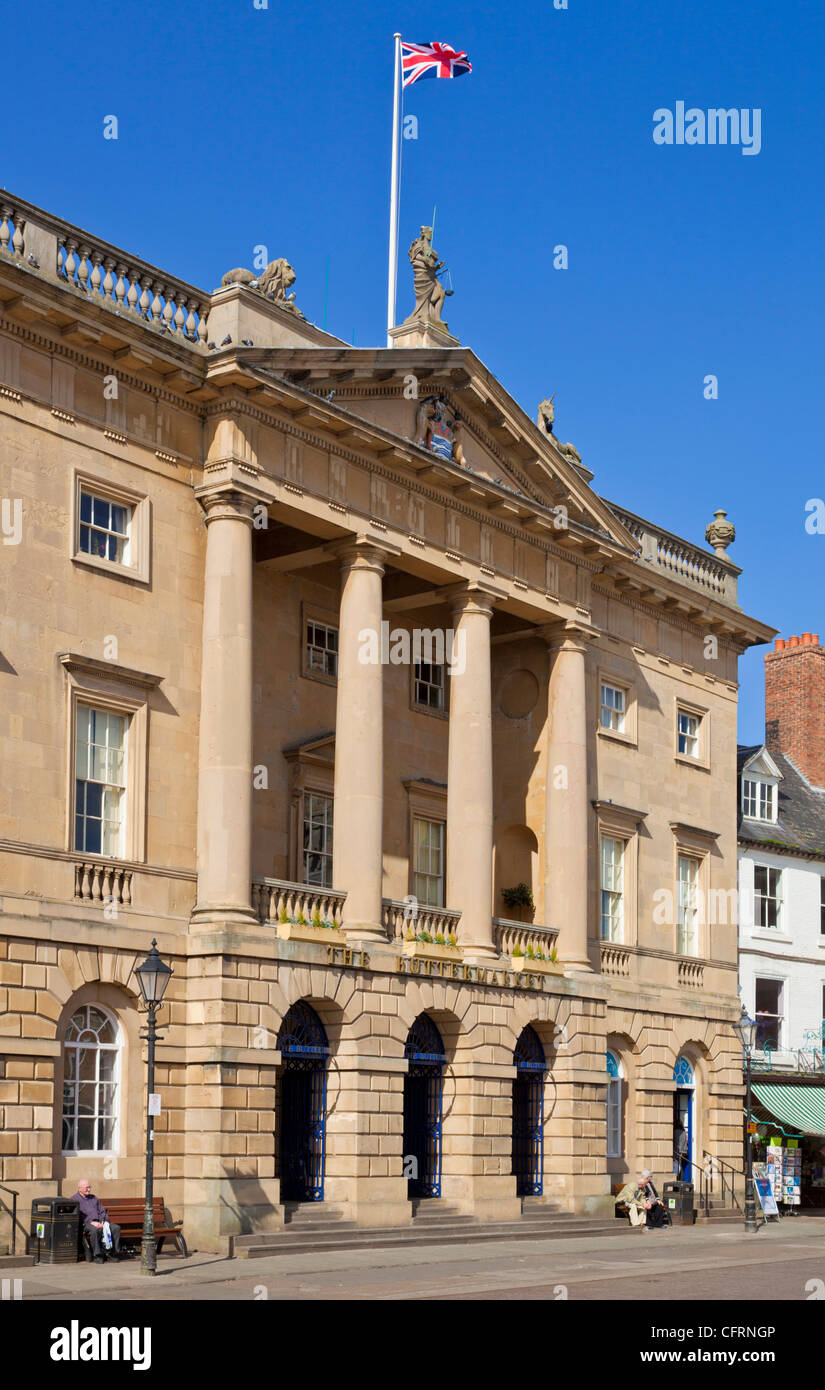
[154, 1104]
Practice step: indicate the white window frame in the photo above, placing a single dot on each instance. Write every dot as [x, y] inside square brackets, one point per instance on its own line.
[760, 802]
[777, 897]
[327, 825]
[426, 877]
[320, 626]
[113, 690]
[117, 1048]
[781, 1016]
[136, 565]
[422, 683]
[109, 787]
[612, 712]
[614, 916]
[688, 890]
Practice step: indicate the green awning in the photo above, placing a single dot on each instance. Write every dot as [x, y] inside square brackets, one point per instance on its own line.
[800, 1106]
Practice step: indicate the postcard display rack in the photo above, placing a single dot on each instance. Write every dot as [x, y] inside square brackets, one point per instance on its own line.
[783, 1165]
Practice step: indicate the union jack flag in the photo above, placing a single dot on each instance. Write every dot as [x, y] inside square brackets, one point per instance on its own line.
[420, 60]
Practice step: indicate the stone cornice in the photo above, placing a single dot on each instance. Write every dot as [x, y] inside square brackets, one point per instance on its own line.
[78, 662]
[58, 348]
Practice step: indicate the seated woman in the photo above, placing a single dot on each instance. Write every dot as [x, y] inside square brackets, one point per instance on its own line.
[644, 1205]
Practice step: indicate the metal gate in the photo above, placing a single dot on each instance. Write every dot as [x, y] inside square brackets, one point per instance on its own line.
[304, 1049]
[423, 1086]
[528, 1114]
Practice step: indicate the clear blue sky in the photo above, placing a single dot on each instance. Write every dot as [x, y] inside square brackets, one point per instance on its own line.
[240, 127]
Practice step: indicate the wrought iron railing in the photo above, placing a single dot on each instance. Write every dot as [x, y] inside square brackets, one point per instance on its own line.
[277, 900]
[12, 1211]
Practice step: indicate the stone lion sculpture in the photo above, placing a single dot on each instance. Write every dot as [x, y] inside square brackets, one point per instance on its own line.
[272, 282]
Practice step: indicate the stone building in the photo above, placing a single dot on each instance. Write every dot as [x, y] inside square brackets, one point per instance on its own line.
[330, 669]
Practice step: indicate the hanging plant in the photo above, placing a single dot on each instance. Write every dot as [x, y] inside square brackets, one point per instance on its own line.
[520, 896]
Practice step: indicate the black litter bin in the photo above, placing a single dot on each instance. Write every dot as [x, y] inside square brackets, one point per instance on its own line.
[55, 1230]
[678, 1198]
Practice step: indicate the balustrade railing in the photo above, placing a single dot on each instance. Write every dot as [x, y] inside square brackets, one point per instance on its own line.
[690, 974]
[277, 900]
[615, 960]
[99, 881]
[685, 562]
[97, 268]
[512, 937]
[403, 919]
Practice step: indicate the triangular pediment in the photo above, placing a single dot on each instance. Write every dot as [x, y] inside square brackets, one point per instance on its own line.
[761, 764]
[500, 443]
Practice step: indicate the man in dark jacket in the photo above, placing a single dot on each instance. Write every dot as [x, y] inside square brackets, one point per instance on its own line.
[93, 1215]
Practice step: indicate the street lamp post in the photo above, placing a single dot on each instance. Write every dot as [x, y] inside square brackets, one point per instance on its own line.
[153, 976]
[746, 1030]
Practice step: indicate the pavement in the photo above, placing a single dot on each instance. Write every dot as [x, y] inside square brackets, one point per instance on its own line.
[783, 1261]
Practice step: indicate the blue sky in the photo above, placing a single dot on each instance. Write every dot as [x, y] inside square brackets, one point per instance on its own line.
[240, 126]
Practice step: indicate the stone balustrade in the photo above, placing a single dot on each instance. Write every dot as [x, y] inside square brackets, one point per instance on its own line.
[56, 248]
[408, 916]
[512, 937]
[101, 881]
[277, 900]
[615, 960]
[689, 564]
[690, 974]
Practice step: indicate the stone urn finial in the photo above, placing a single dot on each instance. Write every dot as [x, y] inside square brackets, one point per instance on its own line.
[720, 533]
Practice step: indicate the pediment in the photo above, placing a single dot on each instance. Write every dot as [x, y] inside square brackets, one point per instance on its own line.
[499, 442]
[761, 764]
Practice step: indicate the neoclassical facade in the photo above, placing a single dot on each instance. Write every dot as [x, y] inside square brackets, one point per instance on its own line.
[330, 670]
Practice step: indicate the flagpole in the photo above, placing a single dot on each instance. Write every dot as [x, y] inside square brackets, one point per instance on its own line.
[396, 131]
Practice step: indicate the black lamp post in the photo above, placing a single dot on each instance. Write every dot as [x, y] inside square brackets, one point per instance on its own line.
[153, 976]
[746, 1031]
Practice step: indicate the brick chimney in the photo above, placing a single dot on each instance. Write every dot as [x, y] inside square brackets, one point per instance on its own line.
[795, 703]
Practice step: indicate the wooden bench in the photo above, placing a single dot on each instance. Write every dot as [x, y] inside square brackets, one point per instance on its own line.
[127, 1213]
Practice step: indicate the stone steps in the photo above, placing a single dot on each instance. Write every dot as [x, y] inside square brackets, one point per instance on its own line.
[16, 1261]
[442, 1227]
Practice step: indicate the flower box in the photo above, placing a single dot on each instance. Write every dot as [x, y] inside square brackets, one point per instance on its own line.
[432, 951]
[305, 931]
[536, 967]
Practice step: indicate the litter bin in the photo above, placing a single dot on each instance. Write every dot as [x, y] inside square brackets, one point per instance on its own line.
[55, 1230]
[678, 1198]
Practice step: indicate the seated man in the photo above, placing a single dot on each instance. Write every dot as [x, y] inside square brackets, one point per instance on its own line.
[93, 1215]
[644, 1205]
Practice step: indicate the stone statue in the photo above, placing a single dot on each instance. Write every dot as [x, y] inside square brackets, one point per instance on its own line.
[720, 533]
[273, 283]
[571, 453]
[547, 415]
[429, 292]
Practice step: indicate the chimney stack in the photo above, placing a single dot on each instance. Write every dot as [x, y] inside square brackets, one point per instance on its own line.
[795, 703]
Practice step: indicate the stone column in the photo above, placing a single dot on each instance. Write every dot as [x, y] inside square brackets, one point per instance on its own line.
[567, 827]
[470, 775]
[359, 756]
[225, 745]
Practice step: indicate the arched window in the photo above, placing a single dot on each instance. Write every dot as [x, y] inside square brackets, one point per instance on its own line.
[302, 1104]
[528, 1114]
[91, 1081]
[683, 1072]
[614, 1106]
[423, 1087]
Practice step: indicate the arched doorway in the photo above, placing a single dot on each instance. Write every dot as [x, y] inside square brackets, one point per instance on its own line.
[423, 1087]
[302, 1043]
[683, 1112]
[528, 1114]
